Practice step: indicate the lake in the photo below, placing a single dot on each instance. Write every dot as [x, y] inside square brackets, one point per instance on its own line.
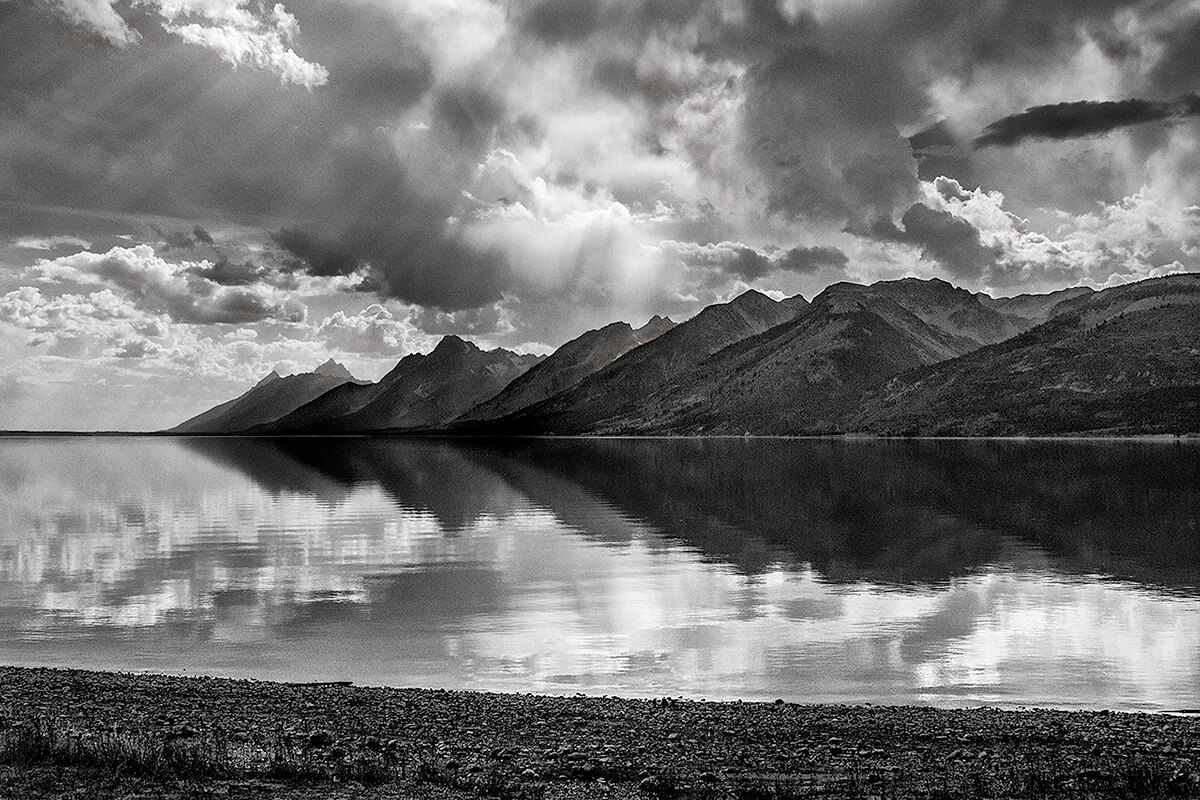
[1013, 573]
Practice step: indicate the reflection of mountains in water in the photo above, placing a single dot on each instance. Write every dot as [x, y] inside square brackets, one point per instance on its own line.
[884, 511]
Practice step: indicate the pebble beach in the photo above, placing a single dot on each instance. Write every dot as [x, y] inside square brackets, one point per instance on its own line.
[71, 733]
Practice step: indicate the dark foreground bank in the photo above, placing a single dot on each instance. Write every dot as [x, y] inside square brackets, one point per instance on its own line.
[66, 733]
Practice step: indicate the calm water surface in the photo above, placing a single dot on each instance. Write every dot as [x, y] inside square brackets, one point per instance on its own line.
[954, 573]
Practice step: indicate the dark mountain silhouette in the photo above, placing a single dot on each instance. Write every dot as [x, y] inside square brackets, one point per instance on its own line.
[947, 308]
[271, 398]
[422, 391]
[1123, 360]
[799, 376]
[1034, 307]
[904, 356]
[568, 366]
[619, 390]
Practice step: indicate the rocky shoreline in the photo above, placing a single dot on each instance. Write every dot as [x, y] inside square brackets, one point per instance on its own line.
[70, 733]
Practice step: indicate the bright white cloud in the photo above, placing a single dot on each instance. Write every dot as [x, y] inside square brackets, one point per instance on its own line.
[156, 285]
[100, 18]
[1137, 237]
[374, 331]
[230, 28]
[242, 39]
[50, 242]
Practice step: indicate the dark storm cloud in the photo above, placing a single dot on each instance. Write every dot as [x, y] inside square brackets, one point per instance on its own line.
[813, 105]
[164, 128]
[1084, 118]
[951, 241]
[807, 260]
[230, 273]
[939, 152]
[562, 20]
[748, 264]
[175, 240]
[820, 117]
[236, 306]
[468, 113]
[315, 255]
[727, 258]
[201, 235]
[1176, 71]
[826, 96]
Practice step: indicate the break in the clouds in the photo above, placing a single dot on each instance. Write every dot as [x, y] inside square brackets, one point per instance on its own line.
[523, 170]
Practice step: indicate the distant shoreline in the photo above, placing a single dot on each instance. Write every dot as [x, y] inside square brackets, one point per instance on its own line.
[1082, 437]
[91, 730]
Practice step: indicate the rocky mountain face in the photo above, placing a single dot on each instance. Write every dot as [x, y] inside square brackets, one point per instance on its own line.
[905, 356]
[947, 308]
[421, 391]
[568, 366]
[271, 398]
[440, 387]
[618, 391]
[1123, 360]
[798, 377]
[1037, 308]
[332, 369]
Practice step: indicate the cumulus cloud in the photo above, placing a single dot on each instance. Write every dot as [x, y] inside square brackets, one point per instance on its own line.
[729, 257]
[75, 325]
[811, 259]
[177, 240]
[467, 156]
[1137, 237]
[230, 28]
[178, 290]
[373, 331]
[1084, 118]
[244, 39]
[229, 273]
[308, 251]
[952, 241]
[99, 17]
[750, 264]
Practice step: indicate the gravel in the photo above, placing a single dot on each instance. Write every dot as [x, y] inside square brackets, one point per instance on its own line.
[434, 743]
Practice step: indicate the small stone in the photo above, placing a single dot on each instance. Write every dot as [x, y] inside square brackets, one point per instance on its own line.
[321, 738]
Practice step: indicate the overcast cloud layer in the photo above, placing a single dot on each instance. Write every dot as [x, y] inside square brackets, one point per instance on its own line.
[194, 192]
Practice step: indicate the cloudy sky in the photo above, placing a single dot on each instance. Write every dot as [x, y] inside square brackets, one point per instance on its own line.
[194, 192]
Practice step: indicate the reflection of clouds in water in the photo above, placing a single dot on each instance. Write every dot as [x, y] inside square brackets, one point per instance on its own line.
[181, 561]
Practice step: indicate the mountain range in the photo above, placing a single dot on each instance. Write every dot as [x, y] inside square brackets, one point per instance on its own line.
[903, 357]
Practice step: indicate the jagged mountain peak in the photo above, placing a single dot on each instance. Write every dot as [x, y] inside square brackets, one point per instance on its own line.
[750, 297]
[273, 375]
[332, 369]
[451, 345]
[796, 302]
[656, 323]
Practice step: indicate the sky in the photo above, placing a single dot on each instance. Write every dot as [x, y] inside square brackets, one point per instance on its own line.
[196, 192]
